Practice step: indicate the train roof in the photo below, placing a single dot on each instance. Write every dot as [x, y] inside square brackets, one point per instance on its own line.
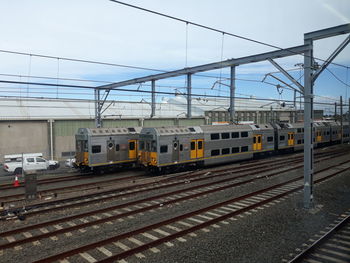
[109, 131]
[173, 130]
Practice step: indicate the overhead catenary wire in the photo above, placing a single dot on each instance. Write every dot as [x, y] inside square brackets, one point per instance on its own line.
[141, 91]
[214, 29]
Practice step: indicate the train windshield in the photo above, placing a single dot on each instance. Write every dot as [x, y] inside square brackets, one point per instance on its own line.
[82, 146]
[148, 146]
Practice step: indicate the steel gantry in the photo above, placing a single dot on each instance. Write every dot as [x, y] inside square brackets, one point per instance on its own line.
[310, 75]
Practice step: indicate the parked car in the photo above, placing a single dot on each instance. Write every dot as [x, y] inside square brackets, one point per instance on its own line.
[29, 163]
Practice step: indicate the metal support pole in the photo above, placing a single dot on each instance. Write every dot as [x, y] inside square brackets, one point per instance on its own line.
[51, 138]
[232, 94]
[341, 119]
[295, 107]
[189, 96]
[335, 111]
[153, 105]
[308, 125]
[349, 114]
[98, 122]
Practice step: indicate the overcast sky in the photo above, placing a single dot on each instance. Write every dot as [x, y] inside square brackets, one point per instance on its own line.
[105, 31]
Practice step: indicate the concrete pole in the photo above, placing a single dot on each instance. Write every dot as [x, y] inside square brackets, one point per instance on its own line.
[335, 111]
[153, 103]
[189, 96]
[232, 94]
[341, 119]
[308, 126]
[349, 114]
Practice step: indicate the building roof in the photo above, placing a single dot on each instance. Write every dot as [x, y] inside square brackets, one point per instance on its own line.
[37, 108]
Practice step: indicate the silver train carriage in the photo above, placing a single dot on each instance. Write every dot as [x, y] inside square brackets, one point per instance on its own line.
[171, 148]
[99, 149]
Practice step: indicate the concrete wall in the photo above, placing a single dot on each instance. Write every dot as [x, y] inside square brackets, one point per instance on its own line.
[24, 137]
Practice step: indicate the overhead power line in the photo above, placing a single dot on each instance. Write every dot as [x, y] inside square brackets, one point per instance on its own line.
[214, 29]
[142, 91]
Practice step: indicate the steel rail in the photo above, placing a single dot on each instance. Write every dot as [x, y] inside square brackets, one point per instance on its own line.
[182, 217]
[308, 251]
[223, 173]
[140, 210]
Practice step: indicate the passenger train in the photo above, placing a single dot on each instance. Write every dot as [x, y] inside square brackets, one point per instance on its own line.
[163, 149]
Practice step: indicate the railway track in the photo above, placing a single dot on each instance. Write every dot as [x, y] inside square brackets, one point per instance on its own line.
[244, 202]
[166, 231]
[164, 183]
[332, 245]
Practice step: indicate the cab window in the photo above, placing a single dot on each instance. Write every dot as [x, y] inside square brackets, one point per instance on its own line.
[40, 160]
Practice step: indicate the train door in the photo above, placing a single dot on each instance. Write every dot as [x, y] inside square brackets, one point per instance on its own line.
[318, 136]
[132, 149]
[193, 149]
[290, 138]
[257, 142]
[197, 149]
[110, 150]
[200, 148]
[176, 151]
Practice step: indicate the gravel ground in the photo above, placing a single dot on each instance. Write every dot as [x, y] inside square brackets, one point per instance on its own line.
[249, 244]
[269, 235]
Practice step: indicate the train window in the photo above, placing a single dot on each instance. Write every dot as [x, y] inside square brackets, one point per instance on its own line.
[235, 134]
[235, 149]
[200, 145]
[110, 145]
[181, 147]
[244, 149]
[142, 145]
[225, 135]
[192, 129]
[117, 147]
[163, 148]
[215, 136]
[259, 139]
[175, 145]
[270, 139]
[254, 139]
[302, 129]
[153, 146]
[257, 126]
[193, 146]
[225, 151]
[282, 138]
[299, 141]
[131, 129]
[244, 134]
[327, 132]
[299, 130]
[131, 145]
[96, 148]
[215, 152]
